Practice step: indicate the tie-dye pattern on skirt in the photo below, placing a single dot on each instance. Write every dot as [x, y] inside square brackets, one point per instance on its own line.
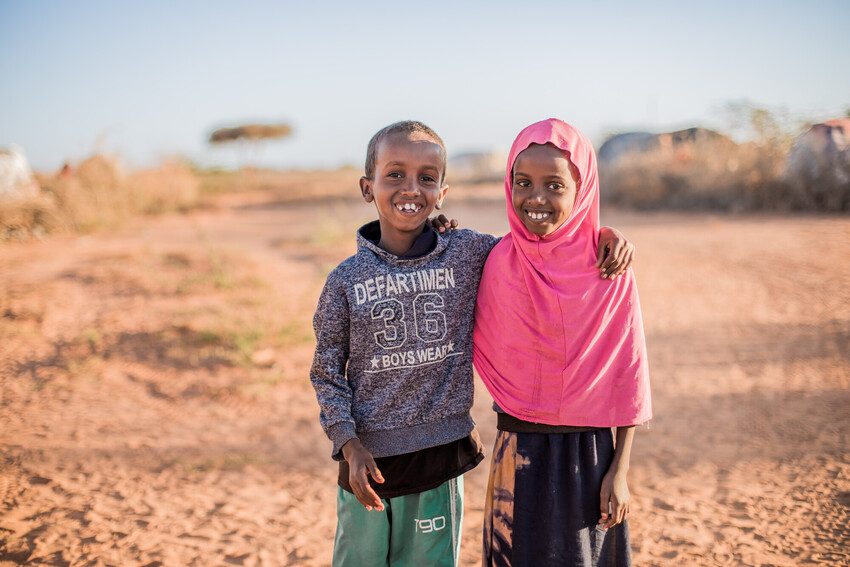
[542, 503]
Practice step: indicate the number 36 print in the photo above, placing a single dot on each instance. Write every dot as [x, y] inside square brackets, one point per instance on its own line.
[429, 321]
[427, 325]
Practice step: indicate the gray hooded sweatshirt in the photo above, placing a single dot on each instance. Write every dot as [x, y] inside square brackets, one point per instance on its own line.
[393, 362]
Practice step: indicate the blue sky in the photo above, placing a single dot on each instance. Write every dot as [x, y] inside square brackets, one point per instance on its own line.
[150, 80]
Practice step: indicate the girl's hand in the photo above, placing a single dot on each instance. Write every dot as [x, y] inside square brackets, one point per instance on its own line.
[615, 491]
[361, 464]
[441, 224]
[614, 253]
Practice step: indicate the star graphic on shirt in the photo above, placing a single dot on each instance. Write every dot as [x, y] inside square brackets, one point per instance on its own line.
[451, 346]
[375, 360]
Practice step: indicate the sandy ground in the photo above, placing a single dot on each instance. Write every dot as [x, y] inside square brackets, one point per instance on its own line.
[156, 410]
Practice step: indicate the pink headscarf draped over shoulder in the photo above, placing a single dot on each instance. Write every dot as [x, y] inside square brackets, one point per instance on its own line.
[554, 343]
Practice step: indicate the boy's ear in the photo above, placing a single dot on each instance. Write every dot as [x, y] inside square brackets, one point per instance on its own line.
[443, 190]
[366, 189]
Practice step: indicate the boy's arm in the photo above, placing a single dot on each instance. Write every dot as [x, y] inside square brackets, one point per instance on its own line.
[614, 253]
[331, 324]
[327, 374]
[361, 465]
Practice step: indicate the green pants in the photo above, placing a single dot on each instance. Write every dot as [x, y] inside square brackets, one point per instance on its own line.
[420, 529]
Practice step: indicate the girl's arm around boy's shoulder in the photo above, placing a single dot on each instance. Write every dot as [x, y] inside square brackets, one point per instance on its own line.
[614, 253]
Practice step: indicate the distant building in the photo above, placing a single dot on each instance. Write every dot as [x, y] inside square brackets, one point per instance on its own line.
[477, 167]
[16, 178]
[681, 143]
[818, 164]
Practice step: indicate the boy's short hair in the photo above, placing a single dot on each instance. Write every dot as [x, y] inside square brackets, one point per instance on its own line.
[403, 127]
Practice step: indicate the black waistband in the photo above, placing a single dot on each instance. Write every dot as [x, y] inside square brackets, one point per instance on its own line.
[506, 422]
[422, 470]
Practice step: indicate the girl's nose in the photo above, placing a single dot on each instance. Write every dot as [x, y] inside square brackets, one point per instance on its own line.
[537, 197]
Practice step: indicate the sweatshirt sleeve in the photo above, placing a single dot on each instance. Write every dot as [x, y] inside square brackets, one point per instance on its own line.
[482, 244]
[331, 325]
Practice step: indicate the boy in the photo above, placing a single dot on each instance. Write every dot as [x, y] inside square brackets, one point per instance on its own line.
[393, 363]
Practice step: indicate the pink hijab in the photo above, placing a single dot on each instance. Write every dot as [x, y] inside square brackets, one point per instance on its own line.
[554, 343]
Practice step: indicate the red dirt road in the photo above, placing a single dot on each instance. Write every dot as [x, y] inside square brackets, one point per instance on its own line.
[156, 409]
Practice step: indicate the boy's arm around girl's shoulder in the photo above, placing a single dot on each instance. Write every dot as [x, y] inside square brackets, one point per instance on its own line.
[327, 374]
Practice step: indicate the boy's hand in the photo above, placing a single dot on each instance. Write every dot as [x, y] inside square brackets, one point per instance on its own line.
[441, 224]
[614, 254]
[360, 466]
[614, 498]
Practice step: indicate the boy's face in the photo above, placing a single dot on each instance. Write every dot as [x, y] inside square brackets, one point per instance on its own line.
[543, 190]
[407, 182]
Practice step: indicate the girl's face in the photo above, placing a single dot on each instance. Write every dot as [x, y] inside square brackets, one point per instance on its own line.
[544, 188]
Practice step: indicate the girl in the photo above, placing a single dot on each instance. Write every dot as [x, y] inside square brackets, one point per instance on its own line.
[562, 353]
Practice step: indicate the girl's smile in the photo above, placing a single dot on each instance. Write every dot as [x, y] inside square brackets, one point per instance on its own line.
[537, 216]
[544, 188]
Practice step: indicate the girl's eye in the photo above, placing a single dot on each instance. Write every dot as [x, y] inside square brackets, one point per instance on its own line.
[555, 186]
[522, 183]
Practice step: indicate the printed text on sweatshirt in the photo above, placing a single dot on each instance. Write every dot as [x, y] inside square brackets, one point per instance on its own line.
[393, 362]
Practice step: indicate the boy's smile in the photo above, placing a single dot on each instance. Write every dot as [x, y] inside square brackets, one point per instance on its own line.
[543, 190]
[409, 208]
[407, 185]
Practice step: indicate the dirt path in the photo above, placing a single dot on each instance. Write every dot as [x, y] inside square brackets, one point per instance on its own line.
[155, 407]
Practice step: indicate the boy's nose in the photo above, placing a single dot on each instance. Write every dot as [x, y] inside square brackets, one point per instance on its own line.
[410, 188]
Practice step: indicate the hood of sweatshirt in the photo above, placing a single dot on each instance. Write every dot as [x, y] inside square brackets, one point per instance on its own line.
[426, 246]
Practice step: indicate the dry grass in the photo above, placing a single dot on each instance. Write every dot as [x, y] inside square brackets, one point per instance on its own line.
[30, 217]
[98, 194]
[288, 185]
[200, 311]
[172, 186]
[742, 178]
[722, 175]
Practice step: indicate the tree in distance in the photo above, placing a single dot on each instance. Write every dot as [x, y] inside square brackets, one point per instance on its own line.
[249, 135]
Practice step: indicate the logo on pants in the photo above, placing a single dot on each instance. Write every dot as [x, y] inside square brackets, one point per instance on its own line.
[430, 525]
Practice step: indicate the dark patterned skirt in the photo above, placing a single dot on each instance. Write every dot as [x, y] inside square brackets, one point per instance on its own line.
[543, 502]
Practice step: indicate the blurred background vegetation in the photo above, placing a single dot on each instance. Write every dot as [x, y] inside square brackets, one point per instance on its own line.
[763, 161]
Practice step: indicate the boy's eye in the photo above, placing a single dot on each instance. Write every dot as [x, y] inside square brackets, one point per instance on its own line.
[394, 174]
[428, 179]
